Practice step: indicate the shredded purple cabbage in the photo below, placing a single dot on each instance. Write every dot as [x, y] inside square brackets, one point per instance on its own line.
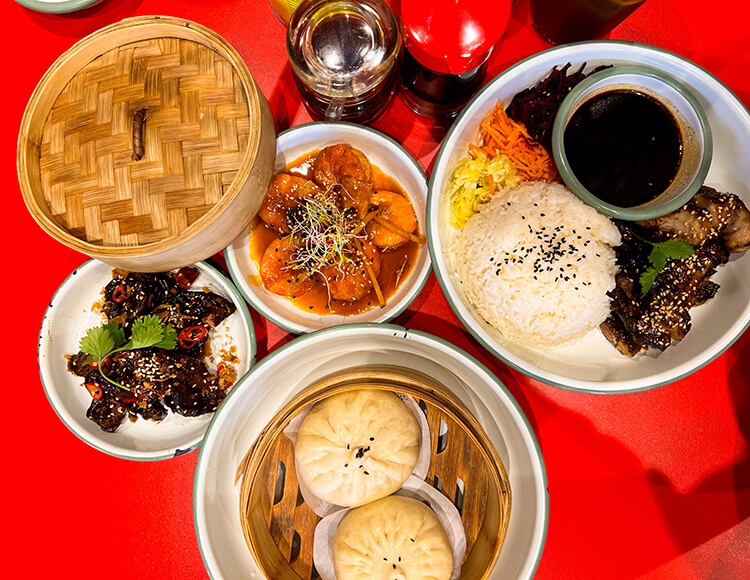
[537, 106]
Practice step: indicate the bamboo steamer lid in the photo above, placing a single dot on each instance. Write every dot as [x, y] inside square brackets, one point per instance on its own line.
[209, 145]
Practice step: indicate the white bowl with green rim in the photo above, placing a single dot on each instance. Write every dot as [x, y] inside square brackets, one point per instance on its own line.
[58, 6]
[276, 379]
[393, 160]
[592, 364]
[72, 312]
[689, 119]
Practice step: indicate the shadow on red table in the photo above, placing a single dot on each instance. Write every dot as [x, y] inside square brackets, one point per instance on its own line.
[705, 512]
[84, 22]
[285, 100]
[454, 333]
[422, 136]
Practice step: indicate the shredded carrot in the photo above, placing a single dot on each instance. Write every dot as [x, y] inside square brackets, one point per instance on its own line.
[502, 135]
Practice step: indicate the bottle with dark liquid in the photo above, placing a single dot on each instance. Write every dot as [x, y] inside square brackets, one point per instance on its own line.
[343, 55]
[446, 47]
[435, 94]
[564, 21]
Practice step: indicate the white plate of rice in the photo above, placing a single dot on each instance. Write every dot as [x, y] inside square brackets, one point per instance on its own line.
[534, 315]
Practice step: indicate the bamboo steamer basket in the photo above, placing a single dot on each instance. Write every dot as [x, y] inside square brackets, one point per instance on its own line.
[209, 142]
[279, 527]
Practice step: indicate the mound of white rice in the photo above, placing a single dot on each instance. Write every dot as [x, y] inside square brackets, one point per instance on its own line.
[537, 264]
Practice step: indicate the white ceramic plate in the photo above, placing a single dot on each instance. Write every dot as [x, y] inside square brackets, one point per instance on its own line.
[394, 161]
[593, 364]
[58, 6]
[66, 320]
[287, 371]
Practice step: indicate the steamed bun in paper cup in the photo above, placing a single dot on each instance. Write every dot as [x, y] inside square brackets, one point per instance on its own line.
[394, 538]
[358, 446]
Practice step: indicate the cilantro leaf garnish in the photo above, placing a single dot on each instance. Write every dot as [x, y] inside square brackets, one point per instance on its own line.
[103, 341]
[98, 343]
[149, 331]
[676, 249]
[648, 277]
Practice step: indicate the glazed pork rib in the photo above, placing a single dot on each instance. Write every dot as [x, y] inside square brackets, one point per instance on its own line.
[716, 224]
[708, 214]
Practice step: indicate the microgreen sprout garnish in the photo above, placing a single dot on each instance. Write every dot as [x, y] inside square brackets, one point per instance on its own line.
[676, 249]
[323, 234]
[104, 341]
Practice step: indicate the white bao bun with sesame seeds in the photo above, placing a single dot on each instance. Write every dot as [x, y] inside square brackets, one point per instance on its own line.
[404, 529]
[357, 446]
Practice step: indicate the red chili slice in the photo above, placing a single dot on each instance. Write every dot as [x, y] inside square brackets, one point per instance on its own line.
[191, 335]
[119, 294]
[94, 390]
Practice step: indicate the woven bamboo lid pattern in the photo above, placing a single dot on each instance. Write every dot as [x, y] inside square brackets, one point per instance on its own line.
[208, 137]
[195, 137]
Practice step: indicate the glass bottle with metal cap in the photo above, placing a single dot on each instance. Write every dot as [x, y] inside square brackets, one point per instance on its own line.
[446, 47]
[343, 55]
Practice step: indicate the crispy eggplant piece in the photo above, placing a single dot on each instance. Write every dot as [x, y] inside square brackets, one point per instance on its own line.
[185, 309]
[130, 295]
[146, 403]
[182, 382]
[194, 308]
[623, 340]
[108, 413]
[110, 410]
[78, 365]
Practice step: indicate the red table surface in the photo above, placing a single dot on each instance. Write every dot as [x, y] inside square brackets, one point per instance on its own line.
[646, 485]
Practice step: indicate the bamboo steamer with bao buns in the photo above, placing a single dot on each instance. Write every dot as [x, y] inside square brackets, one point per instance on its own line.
[278, 524]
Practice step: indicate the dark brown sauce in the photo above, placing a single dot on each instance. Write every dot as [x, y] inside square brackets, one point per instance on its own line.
[365, 109]
[436, 94]
[395, 263]
[624, 146]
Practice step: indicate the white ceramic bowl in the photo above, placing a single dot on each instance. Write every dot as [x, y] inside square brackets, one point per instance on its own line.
[288, 370]
[592, 364]
[58, 6]
[394, 161]
[65, 322]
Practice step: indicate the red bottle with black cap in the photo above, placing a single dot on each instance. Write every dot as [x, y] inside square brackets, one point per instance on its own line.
[446, 47]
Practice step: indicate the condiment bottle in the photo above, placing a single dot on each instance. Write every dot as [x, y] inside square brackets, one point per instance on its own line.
[284, 9]
[564, 21]
[343, 55]
[446, 47]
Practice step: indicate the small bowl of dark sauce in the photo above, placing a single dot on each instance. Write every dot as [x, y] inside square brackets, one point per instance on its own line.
[633, 142]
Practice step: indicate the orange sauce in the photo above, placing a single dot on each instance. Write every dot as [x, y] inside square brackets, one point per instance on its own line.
[396, 264]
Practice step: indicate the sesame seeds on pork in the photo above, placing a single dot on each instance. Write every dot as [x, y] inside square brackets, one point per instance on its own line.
[716, 224]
